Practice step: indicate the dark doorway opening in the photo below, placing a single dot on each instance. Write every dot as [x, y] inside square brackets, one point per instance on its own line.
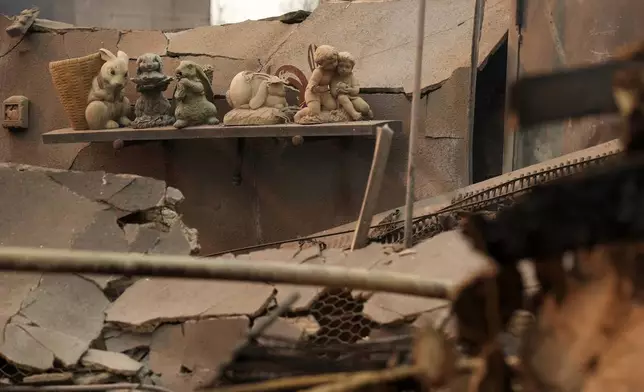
[489, 116]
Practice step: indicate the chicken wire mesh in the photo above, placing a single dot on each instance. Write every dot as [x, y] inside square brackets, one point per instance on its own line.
[338, 342]
[339, 316]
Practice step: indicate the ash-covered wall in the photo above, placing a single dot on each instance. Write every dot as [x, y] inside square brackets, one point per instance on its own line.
[119, 14]
[287, 191]
[557, 34]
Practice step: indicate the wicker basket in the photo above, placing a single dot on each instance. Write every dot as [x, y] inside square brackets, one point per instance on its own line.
[73, 80]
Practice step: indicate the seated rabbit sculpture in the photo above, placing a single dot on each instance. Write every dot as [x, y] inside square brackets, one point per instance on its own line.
[108, 107]
[193, 96]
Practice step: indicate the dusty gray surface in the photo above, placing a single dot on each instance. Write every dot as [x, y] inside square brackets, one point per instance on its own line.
[150, 302]
[381, 35]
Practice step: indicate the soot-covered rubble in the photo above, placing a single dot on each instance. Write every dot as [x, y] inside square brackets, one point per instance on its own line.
[172, 332]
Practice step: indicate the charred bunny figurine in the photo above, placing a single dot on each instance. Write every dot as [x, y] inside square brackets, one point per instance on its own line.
[193, 96]
[108, 107]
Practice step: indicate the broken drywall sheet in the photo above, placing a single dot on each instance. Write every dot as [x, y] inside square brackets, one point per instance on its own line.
[22, 349]
[141, 238]
[102, 233]
[66, 348]
[80, 210]
[152, 301]
[141, 194]
[175, 241]
[446, 257]
[14, 288]
[198, 346]
[57, 316]
[95, 185]
[65, 314]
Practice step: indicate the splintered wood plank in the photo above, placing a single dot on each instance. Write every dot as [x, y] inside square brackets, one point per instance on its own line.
[376, 176]
[356, 128]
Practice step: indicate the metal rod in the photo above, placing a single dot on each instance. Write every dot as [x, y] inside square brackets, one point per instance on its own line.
[112, 263]
[415, 124]
[479, 10]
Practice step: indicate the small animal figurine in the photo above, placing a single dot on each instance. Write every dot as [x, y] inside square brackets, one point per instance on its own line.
[152, 109]
[345, 88]
[253, 90]
[108, 107]
[193, 96]
[257, 98]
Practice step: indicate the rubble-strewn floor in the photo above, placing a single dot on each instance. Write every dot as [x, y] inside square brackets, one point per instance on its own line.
[57, 321]
[174, 332]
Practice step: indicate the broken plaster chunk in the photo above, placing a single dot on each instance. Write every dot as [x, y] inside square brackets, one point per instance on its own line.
[96, 185]
[142, 238]
[141, 194]
[21, 349]
[173, 196]
[68, 304]
[14, 288]
[173, 242]
[67, 349]
[103, 234]
[22, 22]
[152, 301]
[116, 363]
[195, 345]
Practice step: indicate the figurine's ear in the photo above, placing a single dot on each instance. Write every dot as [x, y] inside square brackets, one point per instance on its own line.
[106, 55]
[210, 96]
[122, 55]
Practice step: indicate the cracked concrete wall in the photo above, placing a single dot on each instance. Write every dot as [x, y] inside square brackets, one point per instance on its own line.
[119, 14]
[286, 191]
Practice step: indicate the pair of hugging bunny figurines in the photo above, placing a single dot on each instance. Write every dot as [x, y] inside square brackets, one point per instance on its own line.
[108, 107]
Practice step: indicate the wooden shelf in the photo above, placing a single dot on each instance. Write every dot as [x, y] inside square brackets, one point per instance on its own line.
[356, 128]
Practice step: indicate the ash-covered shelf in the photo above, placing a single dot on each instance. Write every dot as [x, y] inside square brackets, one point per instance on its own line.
[356, 128]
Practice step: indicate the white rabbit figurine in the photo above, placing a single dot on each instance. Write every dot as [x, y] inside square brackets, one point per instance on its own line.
[108, 107]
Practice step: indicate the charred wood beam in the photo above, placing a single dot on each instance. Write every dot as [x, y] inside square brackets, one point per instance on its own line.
[598, 206]
[571, 93]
